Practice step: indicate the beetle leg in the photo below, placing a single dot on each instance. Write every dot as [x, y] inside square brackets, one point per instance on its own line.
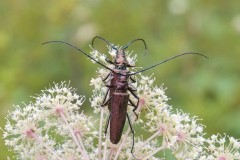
[135, 107]
[134, 94]
[130, 124]
[131, 87]
[132, 79]
[107, 80]
[107, 123]
[104, 103]
[104, 79]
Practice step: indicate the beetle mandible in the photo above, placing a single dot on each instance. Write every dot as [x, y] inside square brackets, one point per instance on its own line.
[119, 88]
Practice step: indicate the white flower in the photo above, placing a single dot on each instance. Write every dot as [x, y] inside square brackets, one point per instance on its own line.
[60, 99]
[150, 98]
[52, 127]
[189, 137]
[28, 129]
[222, 148]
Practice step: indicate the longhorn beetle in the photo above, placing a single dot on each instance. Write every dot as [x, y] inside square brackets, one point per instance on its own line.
[117, 92]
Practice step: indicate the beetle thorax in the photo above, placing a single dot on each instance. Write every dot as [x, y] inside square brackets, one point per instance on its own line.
[122, 81]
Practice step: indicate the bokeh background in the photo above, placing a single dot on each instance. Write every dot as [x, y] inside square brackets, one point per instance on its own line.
[207, 88]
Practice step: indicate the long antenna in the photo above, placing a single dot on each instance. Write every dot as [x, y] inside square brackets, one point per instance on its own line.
[106, 41]
[138, 39]
[81, 52]
[178, 55]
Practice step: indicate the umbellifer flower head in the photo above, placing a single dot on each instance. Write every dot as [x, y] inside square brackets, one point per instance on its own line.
[53, 127]
[220, 147]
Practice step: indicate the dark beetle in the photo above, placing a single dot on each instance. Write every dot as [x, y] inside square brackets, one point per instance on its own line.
[117, 82]
[118, 88]
[118, 97]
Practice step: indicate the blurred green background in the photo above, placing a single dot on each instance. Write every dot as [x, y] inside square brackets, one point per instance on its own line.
[207, 88]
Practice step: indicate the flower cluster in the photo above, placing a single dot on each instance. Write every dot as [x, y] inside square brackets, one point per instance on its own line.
[52, 127]
[35, 130]
[221, 148]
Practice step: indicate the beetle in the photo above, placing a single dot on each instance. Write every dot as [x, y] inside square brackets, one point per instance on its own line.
[119, 89]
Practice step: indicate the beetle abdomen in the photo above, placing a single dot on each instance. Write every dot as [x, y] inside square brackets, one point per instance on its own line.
[119, 103]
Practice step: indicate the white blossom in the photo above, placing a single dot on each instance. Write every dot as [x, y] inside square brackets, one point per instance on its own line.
[53, 127]
[220, 147]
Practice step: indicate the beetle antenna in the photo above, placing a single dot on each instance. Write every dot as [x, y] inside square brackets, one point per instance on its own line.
[138, 39]
[178, 55]
[81, 52]
[106, 41]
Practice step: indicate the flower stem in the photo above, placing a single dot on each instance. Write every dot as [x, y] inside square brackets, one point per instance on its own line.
[81, 143]
[47, 147]
[151, 138]
[153, 153]
[100, 135]
[105, 148]
[74, 137]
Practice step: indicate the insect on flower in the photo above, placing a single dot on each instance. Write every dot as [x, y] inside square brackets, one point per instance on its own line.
[118, 82]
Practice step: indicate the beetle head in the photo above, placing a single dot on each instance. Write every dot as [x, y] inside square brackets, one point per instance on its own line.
[120, 61]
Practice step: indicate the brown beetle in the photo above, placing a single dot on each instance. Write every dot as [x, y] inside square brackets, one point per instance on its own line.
[119, 88]
[119, 97]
